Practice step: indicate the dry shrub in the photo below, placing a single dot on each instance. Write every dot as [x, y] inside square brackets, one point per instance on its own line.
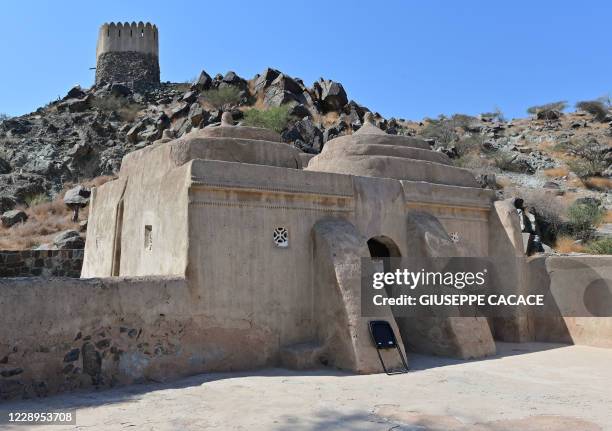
[598, 183]
[607, 218]
[330, 119]
[556, 172]
[259, 103]
[45, 220]
[567, 244]
[472, 161]
[128, 111]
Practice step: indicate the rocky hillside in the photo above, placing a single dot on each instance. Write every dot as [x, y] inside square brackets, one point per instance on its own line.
[86, 134]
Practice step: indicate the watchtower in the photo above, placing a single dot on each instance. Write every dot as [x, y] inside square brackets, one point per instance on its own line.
[128, 53]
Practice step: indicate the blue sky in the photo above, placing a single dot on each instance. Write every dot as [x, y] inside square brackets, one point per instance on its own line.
[406, 59]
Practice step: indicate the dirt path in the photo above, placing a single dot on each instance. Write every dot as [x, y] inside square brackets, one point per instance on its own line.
[527, 387]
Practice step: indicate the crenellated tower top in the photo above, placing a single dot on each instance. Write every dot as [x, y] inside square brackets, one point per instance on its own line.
[128, 53]
[122, 37]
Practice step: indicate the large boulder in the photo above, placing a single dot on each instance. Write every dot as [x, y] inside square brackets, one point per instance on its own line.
[120, 90]
[16, 187]
[78, 195]
[76, 198]
[284, 89]
[74, 105]
[232, 79]
[5, 167]
[305, 135]
[10, 218]
[69, 240]
[264, 80]
[331, 94]
[75, 93]
[203, 82]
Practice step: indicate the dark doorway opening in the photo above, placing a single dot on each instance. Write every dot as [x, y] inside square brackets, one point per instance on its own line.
[382, 248]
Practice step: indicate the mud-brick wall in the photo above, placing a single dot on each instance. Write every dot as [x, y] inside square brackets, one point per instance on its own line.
[59, 334]
[36, 263]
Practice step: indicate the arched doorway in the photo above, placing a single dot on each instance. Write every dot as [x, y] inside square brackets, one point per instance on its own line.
[382, 248]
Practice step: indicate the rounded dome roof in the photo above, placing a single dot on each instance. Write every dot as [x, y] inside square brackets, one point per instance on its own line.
[235, 144]
[373, 153]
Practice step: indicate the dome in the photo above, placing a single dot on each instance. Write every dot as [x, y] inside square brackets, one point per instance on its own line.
[371, 152]
[235, 144]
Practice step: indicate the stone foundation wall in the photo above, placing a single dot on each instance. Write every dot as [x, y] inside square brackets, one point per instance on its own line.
[130, 67]
[60, 334]
[36, 263]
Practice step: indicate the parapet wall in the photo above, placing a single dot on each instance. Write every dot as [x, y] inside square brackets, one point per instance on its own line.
[61, 334]
[124, 37]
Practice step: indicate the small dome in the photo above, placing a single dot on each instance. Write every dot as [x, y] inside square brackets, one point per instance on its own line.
[371, 152]
[241, 144]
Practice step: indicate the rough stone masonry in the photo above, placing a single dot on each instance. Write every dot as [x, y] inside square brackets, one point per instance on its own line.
[128, 53]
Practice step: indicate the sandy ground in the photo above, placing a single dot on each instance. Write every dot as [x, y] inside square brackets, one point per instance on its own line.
[526, 387]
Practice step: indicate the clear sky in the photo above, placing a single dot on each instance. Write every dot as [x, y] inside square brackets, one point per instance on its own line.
[406, 58]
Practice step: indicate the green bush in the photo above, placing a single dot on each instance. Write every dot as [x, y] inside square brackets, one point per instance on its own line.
[36, 199]
[600, 246]
[583, 218]
[596, 108]
[275, 118]
[554, 106]
[222, 96]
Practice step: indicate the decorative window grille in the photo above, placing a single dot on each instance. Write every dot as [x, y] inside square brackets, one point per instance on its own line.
[281, 237]
[454, 237]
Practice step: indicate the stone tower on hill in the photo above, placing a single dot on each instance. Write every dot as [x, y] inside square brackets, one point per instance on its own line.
[128, 53]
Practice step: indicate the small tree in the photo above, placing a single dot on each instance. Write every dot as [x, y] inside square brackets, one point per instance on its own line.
[596, 108]
[590, 155]
[496, 114]
[441, 129]
[548, 108]
[3, 117]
